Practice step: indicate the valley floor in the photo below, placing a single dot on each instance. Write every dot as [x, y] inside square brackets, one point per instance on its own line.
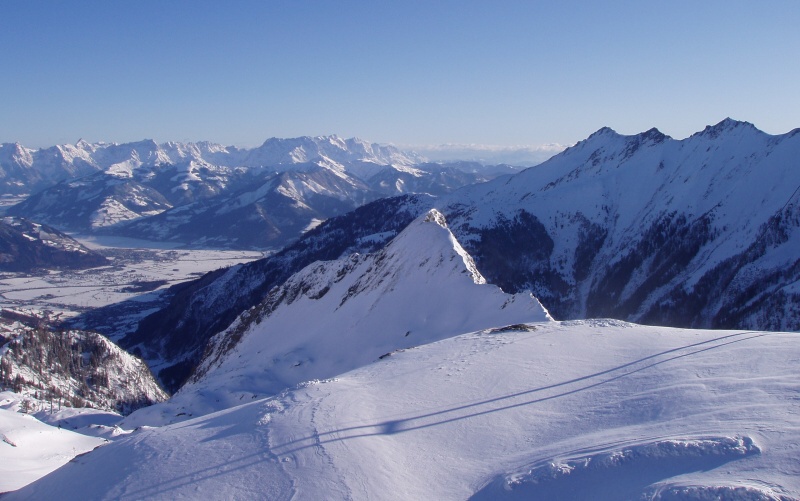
[137, 267]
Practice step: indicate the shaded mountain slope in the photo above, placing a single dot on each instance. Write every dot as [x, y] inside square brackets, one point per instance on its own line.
[26, 246]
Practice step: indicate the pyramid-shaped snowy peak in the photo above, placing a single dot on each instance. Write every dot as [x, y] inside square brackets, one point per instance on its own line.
[334, 316]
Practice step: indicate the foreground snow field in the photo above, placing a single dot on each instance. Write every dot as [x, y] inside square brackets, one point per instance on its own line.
[30, 449]
[573, 410]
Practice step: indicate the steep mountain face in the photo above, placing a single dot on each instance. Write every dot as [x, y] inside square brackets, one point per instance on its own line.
[173, 339]
[75, 369]
[333, 316]
[700, 232]
[25, 246]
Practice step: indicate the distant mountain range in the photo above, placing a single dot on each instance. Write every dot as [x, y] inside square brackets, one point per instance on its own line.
[203, 194]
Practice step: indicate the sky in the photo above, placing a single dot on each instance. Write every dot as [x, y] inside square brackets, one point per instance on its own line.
[410, 73]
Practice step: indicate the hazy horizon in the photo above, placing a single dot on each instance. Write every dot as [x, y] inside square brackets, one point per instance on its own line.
[410, 73]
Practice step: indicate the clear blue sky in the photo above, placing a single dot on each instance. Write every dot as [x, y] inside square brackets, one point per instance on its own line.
[406, 72]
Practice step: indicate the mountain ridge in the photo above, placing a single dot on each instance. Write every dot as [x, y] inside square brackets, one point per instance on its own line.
[630, 227]
[604, 208]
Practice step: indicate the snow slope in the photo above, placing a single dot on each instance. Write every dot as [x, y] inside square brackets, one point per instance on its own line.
[29, 449]
[575, 410]
[338, 315]
[26, 246]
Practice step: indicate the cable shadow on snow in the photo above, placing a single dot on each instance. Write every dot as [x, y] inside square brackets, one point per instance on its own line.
[413, 423]
[431, 419]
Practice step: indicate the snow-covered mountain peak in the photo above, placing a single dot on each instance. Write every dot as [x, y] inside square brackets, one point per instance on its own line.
[653, 135]
[436, 217]
[602, 132]
[15, 154]
[608, 213]
[726, 126]
[428, 236]
[607, 138]
[422, 287]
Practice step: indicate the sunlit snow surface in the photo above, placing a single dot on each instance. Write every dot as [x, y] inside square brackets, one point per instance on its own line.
[30, 449]
[573, 410]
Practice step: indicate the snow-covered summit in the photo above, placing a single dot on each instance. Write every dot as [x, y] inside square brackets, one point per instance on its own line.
[334, 316]
[726, 126]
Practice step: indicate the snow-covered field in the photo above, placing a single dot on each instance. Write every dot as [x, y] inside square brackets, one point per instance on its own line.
[573, 410]
[137, 267]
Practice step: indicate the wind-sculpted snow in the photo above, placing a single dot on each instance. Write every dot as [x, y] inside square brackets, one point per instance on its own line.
[630, 473]
[652, 412]
[698, 232]
[29, 449]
